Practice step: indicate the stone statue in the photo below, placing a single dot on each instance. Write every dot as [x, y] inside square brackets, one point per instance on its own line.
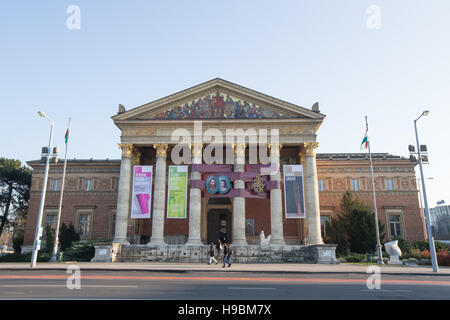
[263, 240]
[121, 109]
[394, 252]
[315, 107]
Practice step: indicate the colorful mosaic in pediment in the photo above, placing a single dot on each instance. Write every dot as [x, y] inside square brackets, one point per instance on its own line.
[219, 106]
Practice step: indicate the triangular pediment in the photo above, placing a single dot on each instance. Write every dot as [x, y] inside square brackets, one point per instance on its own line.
[218, 99]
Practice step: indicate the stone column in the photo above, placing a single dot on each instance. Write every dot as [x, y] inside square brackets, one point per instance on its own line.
[312, 193]
[276, 204]
[238, 223]
[124, 192]
[159, 198]
[195, 200]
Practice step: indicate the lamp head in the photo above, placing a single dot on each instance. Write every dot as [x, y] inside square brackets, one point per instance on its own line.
[425, 113]
[41, 114]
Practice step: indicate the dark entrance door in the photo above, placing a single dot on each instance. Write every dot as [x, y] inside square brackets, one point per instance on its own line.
[218, 220]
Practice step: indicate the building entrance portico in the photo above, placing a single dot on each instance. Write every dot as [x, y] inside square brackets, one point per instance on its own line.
[192, 129]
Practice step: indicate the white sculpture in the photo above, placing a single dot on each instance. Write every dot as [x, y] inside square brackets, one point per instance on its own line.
[264, 241]
[394, 252]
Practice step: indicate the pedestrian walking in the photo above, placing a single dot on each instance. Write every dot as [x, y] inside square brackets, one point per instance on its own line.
[219, 248]
[225, 254]
[212, 253]
[229, 254]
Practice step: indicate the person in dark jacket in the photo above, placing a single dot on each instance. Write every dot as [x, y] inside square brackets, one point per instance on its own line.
[219, 248]
[225, 254]
[229, 254]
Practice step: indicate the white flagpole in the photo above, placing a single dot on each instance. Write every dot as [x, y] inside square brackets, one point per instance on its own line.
[55, 245]
[380, 256]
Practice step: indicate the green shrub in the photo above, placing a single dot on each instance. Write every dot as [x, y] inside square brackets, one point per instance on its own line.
[21, 257]
[80, 251]
[355, 257]
[67, 236]
[18, 241]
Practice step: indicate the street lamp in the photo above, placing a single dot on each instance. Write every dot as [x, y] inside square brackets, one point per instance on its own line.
[427, 216]
[38, 233]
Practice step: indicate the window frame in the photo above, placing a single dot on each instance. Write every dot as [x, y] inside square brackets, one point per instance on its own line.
[321, 184]
[59, 184]
[355, 185]
[401, 223]
[323, 231]
[81, 212]
[86, 184]
[389, 184]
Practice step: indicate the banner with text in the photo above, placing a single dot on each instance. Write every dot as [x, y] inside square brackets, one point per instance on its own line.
[142, 192]
[294, 195]
[177, 192]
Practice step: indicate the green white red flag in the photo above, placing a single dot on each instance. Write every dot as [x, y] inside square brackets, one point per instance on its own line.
[365, 141]
[66, 137]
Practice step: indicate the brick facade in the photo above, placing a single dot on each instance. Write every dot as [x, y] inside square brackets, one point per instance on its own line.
[335, 172]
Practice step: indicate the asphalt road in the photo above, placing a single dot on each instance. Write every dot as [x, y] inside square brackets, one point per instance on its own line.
[35, 284]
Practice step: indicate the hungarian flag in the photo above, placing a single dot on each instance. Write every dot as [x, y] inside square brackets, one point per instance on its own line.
[365, 141]
[66, 137]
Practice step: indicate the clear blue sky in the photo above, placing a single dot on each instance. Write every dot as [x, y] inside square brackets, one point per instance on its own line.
[133, 52]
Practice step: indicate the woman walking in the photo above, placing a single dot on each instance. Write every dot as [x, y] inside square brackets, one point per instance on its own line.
[212, 253]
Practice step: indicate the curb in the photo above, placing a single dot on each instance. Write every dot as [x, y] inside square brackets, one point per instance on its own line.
[227, 270]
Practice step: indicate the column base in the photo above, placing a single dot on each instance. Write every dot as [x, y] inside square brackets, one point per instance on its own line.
[156, 244]
[238, 243]
[280, 242]
[315, 241]
[194, 242]
[124, 242]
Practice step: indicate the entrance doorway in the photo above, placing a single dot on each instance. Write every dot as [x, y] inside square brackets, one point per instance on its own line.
[218, 220]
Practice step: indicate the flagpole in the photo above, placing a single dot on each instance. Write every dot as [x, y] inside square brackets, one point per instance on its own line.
[55, 245]
[380, 256]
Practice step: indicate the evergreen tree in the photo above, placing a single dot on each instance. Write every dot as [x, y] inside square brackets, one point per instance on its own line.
[354, 228]
[49, 239]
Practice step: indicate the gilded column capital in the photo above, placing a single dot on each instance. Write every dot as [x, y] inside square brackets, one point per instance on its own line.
[273, 148]
[239, 149]
[127, 149]
[161, 149]
[309, 148]
[136, 157]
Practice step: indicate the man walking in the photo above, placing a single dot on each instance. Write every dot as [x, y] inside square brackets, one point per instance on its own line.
[229, 253]
[225, 254]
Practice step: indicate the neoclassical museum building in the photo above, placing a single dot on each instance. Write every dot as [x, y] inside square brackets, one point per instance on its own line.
[219, 160]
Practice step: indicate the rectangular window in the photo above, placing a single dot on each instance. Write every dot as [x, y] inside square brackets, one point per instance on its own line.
[50, 220]
[84, 225]
[321, 184]
[355, 184]
[389, 184]
[323, 220]
[88, 185]
[395, 226]
[56, 184]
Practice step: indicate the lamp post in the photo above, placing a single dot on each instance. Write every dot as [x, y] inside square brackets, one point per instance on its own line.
[38, 233]
[427, 216]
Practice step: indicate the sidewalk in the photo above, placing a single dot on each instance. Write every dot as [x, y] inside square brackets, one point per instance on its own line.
[250, 268]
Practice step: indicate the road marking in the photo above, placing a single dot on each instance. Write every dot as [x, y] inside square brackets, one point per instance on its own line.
[61, 285]
[289, 280]
[386, 290]
[241, 288]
